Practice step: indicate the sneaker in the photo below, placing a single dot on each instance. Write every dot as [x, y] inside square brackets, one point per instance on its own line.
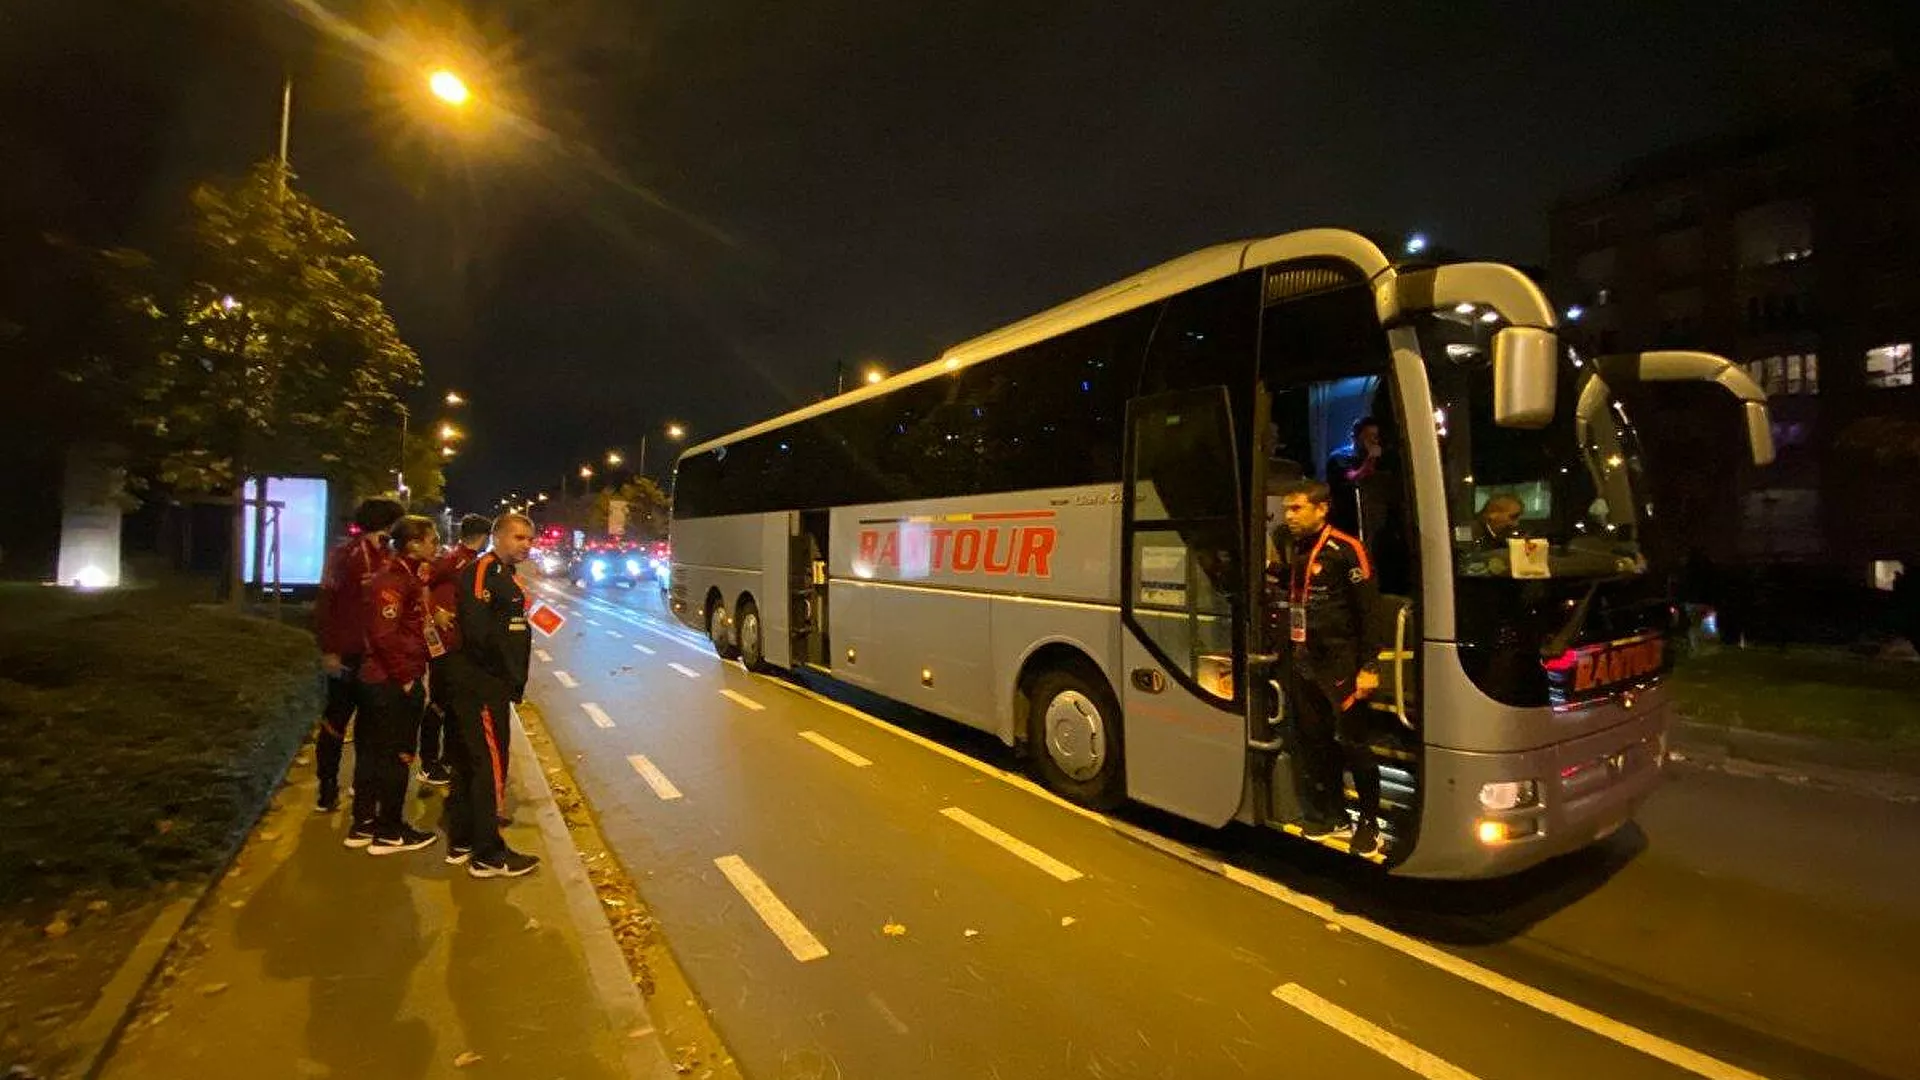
[327, 803]
[458, 854]
[407, 838]
[508, 864]
[436, 774]
[361, 835]
[1319, 828]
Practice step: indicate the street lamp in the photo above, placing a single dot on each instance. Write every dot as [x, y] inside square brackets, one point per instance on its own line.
[874, 375]
[448, 87]
[449, 433]
[676, 432]
[586, 472]
[614, 460]
[454, 400]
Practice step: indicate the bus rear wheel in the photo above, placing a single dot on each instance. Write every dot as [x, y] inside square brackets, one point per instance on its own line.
[1074, 730]
[723, 643]
[746, 627]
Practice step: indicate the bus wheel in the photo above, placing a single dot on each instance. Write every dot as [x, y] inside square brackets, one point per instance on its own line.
[717, 632]
[1075, 728]
[753, 651]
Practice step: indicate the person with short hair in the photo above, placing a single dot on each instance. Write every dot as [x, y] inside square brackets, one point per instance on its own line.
[1498, 521]
[339, 624]
[1329, 668]
[489, 676]
[393, 693]
[435, 727]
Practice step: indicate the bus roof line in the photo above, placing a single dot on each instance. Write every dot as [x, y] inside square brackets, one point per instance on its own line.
[1196, 268]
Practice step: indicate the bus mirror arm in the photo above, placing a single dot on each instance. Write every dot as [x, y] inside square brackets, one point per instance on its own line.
[1682, 366]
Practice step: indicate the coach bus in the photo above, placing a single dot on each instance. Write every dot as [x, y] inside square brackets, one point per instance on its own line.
[1056, 532]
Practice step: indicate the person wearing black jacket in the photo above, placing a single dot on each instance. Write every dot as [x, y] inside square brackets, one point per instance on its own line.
[489, 674]
[1327, 634]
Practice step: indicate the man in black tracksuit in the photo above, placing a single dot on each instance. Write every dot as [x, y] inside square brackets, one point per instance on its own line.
[489, 674]
[1326, 632]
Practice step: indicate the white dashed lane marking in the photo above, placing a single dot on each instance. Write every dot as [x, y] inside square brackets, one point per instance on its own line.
[835, 749]
[597, 714]
[740, 699]
[685, 670]
[1370, 1035]
[565, 680]
[655, 779]
[779, 917]
[1014, 845]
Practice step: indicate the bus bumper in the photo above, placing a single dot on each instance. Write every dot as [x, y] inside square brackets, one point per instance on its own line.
[1585, 789]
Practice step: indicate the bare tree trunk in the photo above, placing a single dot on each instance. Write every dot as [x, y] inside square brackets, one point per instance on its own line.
[236, 577]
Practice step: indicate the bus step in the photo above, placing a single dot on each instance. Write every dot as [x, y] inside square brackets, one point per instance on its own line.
[1340, 844]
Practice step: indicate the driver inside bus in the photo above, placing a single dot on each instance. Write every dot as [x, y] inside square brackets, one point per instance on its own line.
[1498, 521]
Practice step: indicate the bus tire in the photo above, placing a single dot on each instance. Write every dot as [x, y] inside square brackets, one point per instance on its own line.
[748, 629]
[1074, 737]
[723, 643]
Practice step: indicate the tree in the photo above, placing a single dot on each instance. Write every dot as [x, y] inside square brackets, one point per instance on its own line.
[646, 508]
[265, 349]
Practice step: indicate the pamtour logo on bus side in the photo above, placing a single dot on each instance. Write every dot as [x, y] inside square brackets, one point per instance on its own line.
[1014, 544]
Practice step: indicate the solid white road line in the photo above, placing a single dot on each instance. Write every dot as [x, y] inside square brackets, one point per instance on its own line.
[685, 670]
[544, 656]
[1018, 847]
[655, 779]
[1370, 1035]
[739, 699]
[597, 714]
[642, 649]
[565, 679]
[1606, 1027]
[779, 918]
[835, 749]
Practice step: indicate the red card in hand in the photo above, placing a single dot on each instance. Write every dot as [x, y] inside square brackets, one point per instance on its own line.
[546, 620]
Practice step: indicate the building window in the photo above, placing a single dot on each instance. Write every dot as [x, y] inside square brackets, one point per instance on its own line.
[1792, 375]
[1883, 573]
[1890, 365]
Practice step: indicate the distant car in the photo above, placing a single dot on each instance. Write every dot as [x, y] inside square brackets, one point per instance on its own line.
[609, 564]
[660, 557]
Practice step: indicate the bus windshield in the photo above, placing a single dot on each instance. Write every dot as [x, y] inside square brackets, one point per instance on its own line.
[1563, 501]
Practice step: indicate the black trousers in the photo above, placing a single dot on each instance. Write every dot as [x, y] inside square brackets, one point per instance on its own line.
[1331, 741]
[482, 730]
[383, 756]
[434, 725]
[328, 742]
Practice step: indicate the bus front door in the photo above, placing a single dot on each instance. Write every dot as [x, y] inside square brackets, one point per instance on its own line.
[807, 590]
[1183, 651]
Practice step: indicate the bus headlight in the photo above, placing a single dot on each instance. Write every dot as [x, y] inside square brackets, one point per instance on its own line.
[1509, 794]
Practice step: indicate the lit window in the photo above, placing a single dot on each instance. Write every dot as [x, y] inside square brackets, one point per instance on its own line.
[1883, 573]
[1812, 373]
[1890, 365]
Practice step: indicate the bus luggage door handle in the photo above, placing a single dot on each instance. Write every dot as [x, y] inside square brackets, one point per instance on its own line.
[1151, 680]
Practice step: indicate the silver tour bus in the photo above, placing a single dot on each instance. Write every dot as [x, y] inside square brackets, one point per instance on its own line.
[1056, 532]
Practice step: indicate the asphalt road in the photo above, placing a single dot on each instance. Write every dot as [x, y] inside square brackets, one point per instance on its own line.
[863, 897]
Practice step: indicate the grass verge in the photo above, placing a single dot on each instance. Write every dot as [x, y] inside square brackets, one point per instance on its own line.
[1824, 693]
[137, 735]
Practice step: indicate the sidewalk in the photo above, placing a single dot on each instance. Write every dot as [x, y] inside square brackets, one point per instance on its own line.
[313, 960]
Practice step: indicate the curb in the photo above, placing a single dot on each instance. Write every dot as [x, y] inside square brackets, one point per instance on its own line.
[97, 1034]
[1858, 769]
[626, 1013]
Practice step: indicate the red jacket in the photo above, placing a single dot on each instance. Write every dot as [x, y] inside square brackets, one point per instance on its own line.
[396, 624]
[440, 588]
[339, 615]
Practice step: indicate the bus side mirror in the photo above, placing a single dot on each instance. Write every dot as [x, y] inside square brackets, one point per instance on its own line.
[1526, 369]
[1759, 433]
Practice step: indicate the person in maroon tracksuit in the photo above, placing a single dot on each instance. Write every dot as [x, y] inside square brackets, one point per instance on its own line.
[393, 693]
[436, 727]
[341, 627]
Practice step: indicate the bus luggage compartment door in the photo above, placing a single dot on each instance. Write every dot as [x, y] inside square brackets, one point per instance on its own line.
[1181, 538]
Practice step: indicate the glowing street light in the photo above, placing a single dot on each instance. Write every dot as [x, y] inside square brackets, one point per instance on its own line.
[448, 87]
[1416, 243]
[543, 496]
[586, 472]
[454, 399]
[450, 433]
[676, 432]
[874, 375]
[614, 459]
[446, 451]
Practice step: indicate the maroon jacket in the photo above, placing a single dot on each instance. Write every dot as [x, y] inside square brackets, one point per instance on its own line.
[396, 624]
[339, 615]
[440, 585]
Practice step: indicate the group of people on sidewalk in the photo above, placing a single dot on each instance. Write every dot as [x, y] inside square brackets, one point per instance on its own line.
[425, 653]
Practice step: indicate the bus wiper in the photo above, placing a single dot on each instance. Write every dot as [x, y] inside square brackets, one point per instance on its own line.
[1563, 637]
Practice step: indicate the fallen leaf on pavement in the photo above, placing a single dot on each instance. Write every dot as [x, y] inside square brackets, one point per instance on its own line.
[1067, 920]
[466, 1059]
[99, 906]
[213, 988]
[237, 904]
[532, 924]
[59, 927]
[163, 826]
[973, 933]
[1334, 926]
[894, 929]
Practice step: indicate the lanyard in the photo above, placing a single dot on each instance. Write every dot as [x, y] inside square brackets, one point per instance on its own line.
[1302, 572]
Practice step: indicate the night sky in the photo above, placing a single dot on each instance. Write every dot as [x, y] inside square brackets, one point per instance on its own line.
[691, 210]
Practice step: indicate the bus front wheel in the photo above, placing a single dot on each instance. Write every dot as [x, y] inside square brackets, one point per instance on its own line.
[753, 650]
[1074, 728]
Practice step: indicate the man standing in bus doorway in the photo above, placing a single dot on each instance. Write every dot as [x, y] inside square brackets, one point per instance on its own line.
[1331, 594]
[436, 728]
[340, 624]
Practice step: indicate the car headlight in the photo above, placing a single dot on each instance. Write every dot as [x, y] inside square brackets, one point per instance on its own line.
[598, 568]
[633, 566]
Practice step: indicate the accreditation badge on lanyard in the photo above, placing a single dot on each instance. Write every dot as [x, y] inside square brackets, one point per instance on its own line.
[1297, 595]
[435, 647]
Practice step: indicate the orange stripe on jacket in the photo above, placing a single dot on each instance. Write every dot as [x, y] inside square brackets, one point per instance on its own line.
[1359, 551]
[480, 574]
[493, 756]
